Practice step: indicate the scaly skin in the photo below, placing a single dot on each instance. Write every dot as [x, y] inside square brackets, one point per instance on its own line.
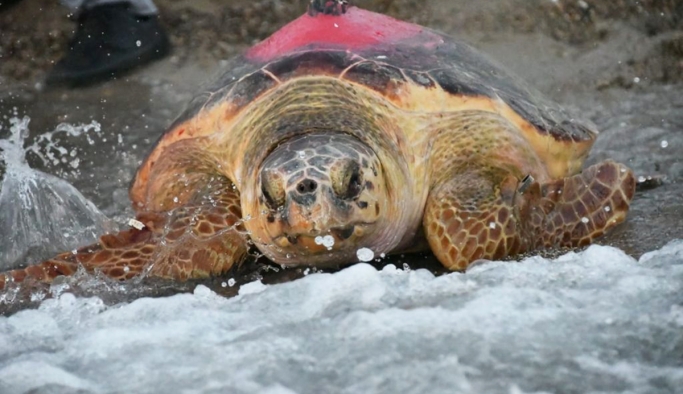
[477, 210]
[316, 185]
[205, 237]
[462, 227]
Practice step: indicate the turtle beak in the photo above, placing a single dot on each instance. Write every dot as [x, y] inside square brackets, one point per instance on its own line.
[319, 243]
[313, 228]
[299, 218]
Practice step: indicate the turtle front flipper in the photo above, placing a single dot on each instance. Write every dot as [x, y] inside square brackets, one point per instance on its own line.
[487, 213]
[204, 237]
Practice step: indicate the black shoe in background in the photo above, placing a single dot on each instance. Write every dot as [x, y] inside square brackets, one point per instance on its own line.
[7, 4]
[109, 40]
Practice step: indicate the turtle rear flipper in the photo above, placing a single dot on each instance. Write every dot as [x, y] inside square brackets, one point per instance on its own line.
[483, 213]
[202, 238]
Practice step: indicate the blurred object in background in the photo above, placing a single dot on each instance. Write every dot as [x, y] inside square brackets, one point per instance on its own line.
[112, 36]
[6, 4]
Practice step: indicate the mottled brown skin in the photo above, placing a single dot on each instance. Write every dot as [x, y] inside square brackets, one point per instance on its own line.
[202, 238]
[315, 185]
[481, 214]
[324, 142]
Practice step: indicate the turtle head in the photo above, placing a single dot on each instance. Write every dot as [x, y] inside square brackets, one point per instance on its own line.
[320, 197]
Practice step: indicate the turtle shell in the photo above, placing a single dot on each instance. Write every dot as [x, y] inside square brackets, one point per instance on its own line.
[389, 57]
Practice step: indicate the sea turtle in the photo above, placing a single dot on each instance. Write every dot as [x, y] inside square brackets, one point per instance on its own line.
[351, 131]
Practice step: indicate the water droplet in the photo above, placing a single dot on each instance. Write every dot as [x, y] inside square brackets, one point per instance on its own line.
[664, 144]
[136, 224]
[492, 225]
[138, 43]
[231, 282]
[607, 209]
[326, 241]
[37, 296]
[365, 254]
[584, 220]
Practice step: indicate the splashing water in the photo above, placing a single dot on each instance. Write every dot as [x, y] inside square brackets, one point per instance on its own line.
[40, 214]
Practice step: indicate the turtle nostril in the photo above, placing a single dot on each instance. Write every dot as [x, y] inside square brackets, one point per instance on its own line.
[306, 186]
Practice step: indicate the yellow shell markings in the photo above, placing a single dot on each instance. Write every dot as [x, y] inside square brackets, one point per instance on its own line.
[560, 157]
[401, 125]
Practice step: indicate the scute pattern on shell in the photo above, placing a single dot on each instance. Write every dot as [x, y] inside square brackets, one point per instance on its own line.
[426, 59]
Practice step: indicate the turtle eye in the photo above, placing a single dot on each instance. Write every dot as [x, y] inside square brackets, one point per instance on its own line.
[347, 180]
[272, 189]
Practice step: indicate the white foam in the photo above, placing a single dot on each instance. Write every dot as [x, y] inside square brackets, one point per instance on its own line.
[594, 321]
